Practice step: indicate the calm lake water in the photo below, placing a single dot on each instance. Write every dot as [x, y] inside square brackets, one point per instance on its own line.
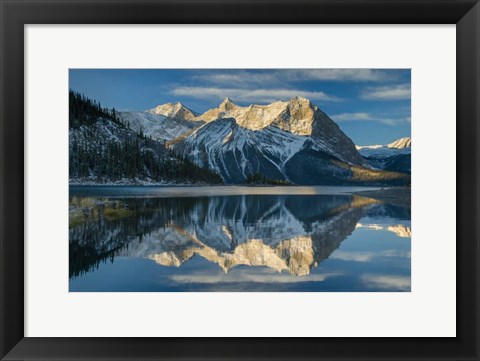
[273, 239]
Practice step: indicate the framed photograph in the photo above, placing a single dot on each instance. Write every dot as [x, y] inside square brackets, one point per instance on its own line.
[237, 180]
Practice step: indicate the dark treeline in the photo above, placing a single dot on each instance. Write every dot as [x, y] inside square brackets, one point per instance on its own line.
[259, 179]
[133, 158]
[102, 148]
[84, 111]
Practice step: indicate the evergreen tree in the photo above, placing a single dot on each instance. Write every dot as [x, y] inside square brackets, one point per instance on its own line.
[128, 155]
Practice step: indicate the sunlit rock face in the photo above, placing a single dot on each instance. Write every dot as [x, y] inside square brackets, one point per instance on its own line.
[174, 110]
[401, 143]
[293, 141]
[282, 140]
[295, 116]
[299, 119]
[157, 126]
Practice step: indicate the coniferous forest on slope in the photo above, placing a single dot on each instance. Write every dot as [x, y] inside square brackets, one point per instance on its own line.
[102, 148]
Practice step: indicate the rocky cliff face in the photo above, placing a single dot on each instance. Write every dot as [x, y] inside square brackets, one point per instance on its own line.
[235, 152]
[401, 143]
[290, 141]
[158, 127]
[174, 110]
[299, 116]
[282, 140]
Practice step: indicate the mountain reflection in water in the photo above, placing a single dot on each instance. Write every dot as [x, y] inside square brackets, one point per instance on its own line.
[289, 234]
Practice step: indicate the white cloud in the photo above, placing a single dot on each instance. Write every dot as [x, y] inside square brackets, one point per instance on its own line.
[353, 256]
[239, 78]
[367, 256]
[251, 95]
[362, 117]
[395, 92]
[387, 121]
[374, 75]
[254, 276]
[387, 282]
[347, 117]
[245, 78]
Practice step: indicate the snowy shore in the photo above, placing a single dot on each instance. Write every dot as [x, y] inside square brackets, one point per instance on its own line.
[134, 182]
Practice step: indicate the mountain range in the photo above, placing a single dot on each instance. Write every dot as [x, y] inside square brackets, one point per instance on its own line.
[292, 141]
[395, 156]
[283, 142]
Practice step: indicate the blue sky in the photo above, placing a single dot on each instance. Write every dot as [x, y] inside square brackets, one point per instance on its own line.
[372, 106]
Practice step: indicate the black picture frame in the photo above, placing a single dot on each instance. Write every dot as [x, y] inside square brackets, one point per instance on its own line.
[15, 14]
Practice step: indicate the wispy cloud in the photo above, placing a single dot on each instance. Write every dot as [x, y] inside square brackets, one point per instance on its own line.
[362, 117]
[249, 276]
[239, 78]
[244, 78]
[251, 95]
[395, 92]
[348, 117]
[360, 75]
[387, 282]
[368, 256]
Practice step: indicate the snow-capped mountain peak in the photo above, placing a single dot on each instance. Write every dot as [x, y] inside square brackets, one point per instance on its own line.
[394, 156]
[295, 116]
[401, 143]
[237, 141]
[299, 99]
[227, 104]
[174, 110]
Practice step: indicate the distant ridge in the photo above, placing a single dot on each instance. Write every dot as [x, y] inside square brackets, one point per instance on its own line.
[394, 156]
[401, 143]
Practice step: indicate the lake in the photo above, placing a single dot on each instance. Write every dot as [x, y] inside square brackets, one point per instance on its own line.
[247, 239]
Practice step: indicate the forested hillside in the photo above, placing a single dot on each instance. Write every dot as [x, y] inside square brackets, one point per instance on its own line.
[104, 149]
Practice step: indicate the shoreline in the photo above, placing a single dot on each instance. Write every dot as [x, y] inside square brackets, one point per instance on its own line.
[141, 183]
[241, 185]
[137, 183]
[400, 196]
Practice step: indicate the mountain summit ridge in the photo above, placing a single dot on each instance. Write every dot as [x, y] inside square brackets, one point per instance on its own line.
[395, 156]
[174, 110]
[293, 141]
[256, 117]
[401, 143]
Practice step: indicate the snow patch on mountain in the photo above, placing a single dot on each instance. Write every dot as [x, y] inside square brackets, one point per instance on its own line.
[236, 152]
[274, 132]
[158, 127]
[395, 156]
[401, 143]
[400, 146]
[174, 110]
